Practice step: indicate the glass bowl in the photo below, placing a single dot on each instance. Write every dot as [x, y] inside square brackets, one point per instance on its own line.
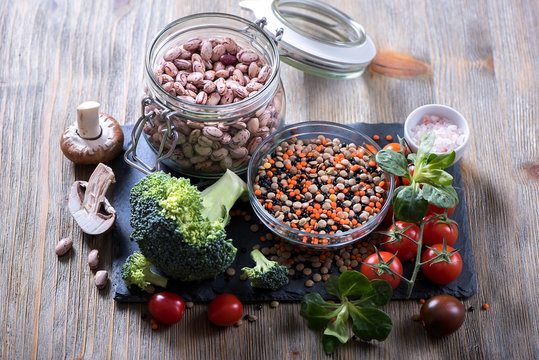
[311, 130]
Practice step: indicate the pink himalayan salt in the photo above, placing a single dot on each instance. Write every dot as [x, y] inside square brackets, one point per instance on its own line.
[448, 135]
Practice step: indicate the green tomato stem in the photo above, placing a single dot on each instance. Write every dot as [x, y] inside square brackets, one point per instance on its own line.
[402, 277]
[429, 261]
[387, 270]
[417, 265]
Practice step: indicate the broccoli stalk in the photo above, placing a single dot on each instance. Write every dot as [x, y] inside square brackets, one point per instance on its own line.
[136, 271]
[181, 229]
[266, 274]
[218, 199]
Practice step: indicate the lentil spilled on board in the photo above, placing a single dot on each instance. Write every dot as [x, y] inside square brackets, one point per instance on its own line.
[320, 186]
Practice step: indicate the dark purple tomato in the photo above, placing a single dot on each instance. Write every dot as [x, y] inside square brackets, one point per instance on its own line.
[442, 315]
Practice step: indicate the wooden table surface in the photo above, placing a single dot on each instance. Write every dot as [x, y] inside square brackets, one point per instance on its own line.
[57, 53]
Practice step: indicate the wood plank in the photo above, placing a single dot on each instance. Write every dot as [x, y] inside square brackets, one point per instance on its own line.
[56, 54]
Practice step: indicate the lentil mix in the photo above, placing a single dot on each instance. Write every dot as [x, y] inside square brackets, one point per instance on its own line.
[321, 264]
[320, 186]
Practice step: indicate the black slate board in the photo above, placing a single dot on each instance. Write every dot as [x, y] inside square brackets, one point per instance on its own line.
[244, 239]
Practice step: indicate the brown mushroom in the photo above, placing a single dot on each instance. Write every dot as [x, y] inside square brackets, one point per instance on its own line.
[95, 137]
[88, 204]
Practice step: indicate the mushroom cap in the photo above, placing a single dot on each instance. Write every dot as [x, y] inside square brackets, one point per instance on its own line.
[86, 151]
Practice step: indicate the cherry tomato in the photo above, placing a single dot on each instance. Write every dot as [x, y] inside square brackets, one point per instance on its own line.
[393, 146]
[371, 273]
[438, 210]
[388, 219]
[371, 148]
[405, 181]
[442, 315]
[166, 307]
[435, 231]
[225, 310]
[442, 272]
[397, 180]
[399, 244]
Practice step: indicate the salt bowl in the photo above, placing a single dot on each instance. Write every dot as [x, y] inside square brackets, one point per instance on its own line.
[450, 127]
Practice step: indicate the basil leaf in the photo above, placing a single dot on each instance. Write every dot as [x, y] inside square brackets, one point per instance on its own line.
[396, 193]
[317, 311]
[439, 196]
[339, 327]
[430, 158]
[409, 206]
[441, 161]
[412, 157]
[370, 323]
[393, 162]
[437, 176]
[353, 283]
[330, 343]
[450, 190]
[332, 286]
[426, 141]
[379, 295]
[367, 322]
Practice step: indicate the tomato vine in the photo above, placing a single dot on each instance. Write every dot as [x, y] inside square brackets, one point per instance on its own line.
[427, 185]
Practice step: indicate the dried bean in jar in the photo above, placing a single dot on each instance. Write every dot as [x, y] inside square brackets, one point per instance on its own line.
[214, 72]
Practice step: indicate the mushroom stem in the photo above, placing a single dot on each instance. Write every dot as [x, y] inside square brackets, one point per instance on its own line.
[88, 120]
[96, 189]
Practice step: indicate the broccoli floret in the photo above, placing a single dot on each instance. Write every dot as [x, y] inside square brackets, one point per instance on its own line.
[266, 274]
[136, 271]
[180, 229]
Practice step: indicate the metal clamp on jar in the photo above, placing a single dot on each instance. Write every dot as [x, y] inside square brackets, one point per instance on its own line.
[213, 81]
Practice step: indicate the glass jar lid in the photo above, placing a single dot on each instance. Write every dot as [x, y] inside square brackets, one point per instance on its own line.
[315, 37]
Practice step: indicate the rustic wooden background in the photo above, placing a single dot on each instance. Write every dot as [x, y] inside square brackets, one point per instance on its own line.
[55, 54]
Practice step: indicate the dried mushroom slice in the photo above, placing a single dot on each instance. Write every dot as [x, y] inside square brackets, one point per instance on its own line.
[88, 203]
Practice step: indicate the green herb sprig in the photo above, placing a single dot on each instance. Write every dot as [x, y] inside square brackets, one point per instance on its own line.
[359, 301]
[429, 183]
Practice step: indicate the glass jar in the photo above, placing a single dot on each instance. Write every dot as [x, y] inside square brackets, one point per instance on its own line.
[201, 140]
[204, 140]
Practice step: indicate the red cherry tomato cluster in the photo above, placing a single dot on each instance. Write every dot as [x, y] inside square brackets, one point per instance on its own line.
[400, 240]
[437, 229]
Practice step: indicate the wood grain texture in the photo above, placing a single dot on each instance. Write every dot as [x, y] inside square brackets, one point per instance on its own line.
[57, 53]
